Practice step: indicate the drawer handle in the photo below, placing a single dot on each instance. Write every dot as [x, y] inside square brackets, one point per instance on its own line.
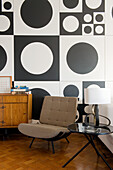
[2, 107]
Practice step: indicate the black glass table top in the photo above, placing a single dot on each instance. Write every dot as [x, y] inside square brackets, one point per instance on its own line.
[82, 128]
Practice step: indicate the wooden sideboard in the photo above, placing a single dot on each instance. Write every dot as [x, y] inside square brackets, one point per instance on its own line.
[15, 109]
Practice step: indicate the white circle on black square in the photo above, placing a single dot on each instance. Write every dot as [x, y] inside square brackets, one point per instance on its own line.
[36, 13]
[93, 4]
[37, 58]
[70, 23]
[82, 58]
[87, 18]
[3, 58]
[4, 23]
[70, 3]
[99, 29]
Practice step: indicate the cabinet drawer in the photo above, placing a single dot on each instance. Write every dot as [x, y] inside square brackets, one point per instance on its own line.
[14, 99]
[1, 99]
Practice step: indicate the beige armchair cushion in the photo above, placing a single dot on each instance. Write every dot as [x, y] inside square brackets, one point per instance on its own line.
[41, 130]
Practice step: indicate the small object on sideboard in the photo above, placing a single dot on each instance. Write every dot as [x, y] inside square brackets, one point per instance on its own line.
[5, 84]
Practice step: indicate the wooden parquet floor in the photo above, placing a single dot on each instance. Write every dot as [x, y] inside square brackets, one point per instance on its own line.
[15, 154]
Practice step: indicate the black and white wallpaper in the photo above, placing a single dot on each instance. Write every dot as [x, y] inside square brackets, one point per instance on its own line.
[57, 47]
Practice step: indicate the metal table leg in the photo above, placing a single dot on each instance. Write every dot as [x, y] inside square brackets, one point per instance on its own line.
[75, 155]
[90, 139]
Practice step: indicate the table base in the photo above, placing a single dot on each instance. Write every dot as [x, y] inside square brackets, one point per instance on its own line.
[90, 139]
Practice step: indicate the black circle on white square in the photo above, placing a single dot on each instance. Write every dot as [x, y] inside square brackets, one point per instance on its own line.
[70, 3]
[70, 6]
[82, 58]
[36, 14]
[7, 5]
[36, 17]
[71, 91]
[6, 56]
[87, 29]
[3, 58]
[99, 18]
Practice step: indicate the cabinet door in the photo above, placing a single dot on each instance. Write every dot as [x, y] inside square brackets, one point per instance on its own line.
[19, 113]
[5, 114]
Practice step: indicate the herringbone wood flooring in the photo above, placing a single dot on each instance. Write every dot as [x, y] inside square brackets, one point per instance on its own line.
[15, 154]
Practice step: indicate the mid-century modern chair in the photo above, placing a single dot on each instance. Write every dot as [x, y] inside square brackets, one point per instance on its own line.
[56, 114]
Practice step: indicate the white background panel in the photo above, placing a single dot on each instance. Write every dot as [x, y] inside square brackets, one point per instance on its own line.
[109, 58]
[51, 87]
[108, 17]
[66, 74]
[78, 8]
[7, 43]
[107, 109]
[52, 28]
[77, 84]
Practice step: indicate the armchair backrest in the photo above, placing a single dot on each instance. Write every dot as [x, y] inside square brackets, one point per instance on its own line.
[59, 111]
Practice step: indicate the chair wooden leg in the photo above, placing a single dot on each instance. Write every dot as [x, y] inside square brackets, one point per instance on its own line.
[31, 142]
[53, 147]
[67, 139]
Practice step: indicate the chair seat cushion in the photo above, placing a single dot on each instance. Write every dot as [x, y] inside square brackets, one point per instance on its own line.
[41, 130]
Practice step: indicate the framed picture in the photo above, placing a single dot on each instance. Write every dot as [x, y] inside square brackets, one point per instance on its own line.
[5, 84]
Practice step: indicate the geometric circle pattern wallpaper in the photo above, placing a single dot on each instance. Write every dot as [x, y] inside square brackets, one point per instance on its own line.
[71, 91]
[87, 18]
[3, 58]
[70, 3]
[70, 23]
[34, 17]
[58, 45]
[35, 13]
[38, 96]
[4, 27]
[36, 58]
[93, 4]
[38, 63]
[82, 58]
[7, 5]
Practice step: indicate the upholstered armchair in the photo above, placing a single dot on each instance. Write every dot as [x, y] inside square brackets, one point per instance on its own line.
[56, 114]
